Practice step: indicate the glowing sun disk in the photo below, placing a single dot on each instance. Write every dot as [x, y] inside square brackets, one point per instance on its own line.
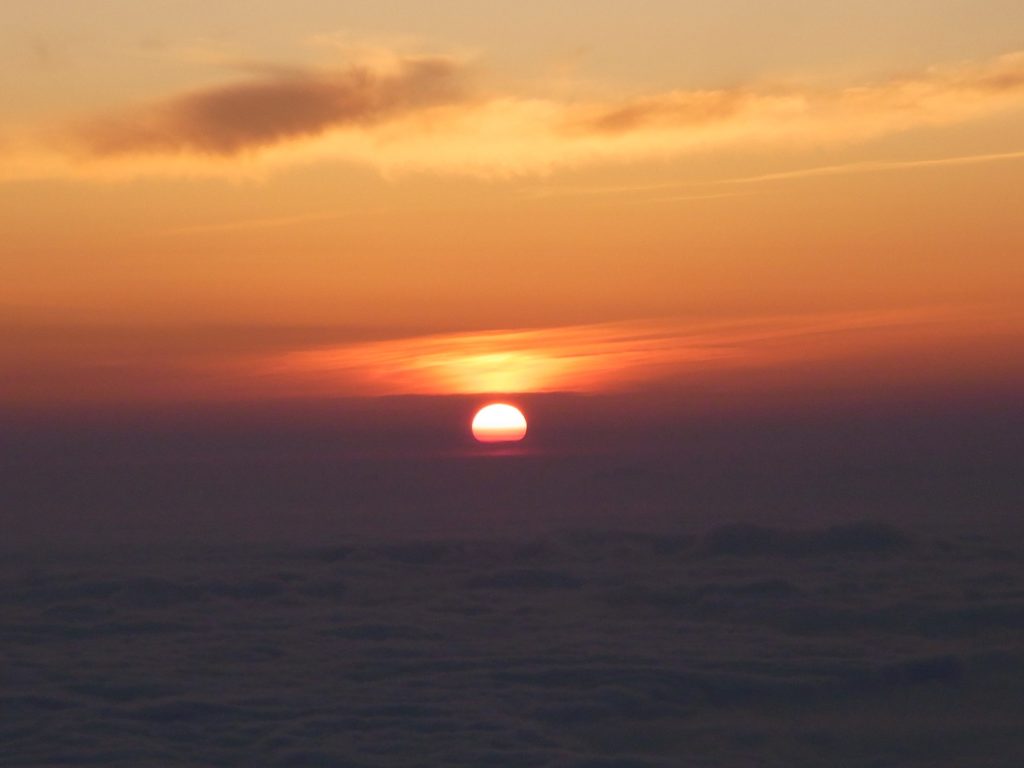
[499, 423]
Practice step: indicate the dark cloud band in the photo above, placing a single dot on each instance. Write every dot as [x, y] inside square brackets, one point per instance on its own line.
[246, 115]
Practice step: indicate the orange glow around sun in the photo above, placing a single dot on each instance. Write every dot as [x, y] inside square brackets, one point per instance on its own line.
[499, 423]
[584, 358]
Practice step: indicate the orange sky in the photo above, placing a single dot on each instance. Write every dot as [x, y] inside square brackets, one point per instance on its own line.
[321, 197]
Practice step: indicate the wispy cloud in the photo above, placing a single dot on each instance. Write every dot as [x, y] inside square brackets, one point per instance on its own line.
[691, 198]
[54, 364]
[877, 166]
[589, 358]
[407, 113]
[268, 222]
[634, 191]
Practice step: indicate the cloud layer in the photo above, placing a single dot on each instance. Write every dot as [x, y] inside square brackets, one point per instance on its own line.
[420, 114]
[887, 349]
[588, 648]
[599, 358]
[588, 358]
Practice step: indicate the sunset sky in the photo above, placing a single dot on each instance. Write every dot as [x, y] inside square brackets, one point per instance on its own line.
[550, 383]
[203, 201]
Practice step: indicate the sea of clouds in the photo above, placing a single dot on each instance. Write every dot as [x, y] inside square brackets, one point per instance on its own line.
[858, 643]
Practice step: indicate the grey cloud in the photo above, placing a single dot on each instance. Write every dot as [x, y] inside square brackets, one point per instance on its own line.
[927, 96]
[490, 132]
[279, 105]
[692, 109]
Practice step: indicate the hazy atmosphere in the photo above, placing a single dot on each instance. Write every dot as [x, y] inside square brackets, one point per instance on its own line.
[742, 282]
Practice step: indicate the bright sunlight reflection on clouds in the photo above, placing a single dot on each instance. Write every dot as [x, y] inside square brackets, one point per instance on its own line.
[586, 358]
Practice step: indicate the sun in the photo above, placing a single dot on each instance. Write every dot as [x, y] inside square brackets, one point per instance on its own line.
[499, 423]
